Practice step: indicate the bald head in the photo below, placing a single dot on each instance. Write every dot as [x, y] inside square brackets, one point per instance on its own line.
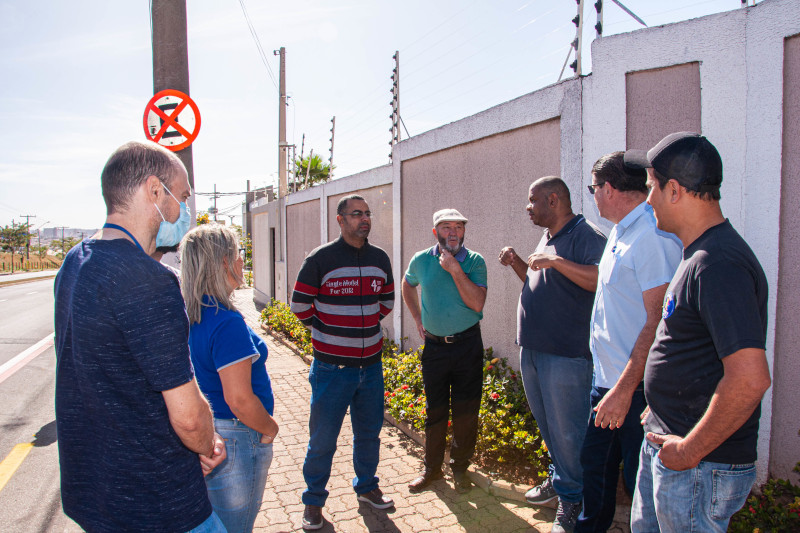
[554, 185]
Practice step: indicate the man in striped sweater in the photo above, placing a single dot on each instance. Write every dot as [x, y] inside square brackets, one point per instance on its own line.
[343, 290]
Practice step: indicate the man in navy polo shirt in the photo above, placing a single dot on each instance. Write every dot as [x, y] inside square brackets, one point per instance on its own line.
[453, 284]
[707, 369]
[553, 314]
[135, 434]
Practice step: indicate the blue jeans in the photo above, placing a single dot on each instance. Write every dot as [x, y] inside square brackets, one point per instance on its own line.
[557, 389]
[702, 498]
[236, 487]
[603, 449]
[212, 524]
[333, 390]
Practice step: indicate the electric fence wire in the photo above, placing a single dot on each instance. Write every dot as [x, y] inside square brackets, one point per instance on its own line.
[483, 50]
[459, 82]
[258, 45]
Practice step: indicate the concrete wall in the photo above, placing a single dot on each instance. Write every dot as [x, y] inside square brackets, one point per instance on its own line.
[483, 166]
[487, 181]
[726, 75]
[661, 101]
[380, 203]
[785, 449]
[302, 235]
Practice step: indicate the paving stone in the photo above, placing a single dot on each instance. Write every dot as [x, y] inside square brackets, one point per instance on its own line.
[440, 510]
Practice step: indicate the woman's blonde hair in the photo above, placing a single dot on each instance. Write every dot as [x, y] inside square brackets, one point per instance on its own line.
[205, 252]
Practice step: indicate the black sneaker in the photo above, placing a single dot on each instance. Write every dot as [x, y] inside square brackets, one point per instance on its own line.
[312, 517]
[566, 517]
[376, 499]
[541, 494]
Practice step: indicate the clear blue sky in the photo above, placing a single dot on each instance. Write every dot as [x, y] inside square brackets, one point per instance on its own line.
[75, 78]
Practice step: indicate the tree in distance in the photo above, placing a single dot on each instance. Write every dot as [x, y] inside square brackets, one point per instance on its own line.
[13, 237]
[315, 167]
[63, 246]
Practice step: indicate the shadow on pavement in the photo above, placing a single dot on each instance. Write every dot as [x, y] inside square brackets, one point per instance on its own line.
[46, 435]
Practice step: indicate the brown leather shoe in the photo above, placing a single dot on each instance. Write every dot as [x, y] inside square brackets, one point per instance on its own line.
[428, 477]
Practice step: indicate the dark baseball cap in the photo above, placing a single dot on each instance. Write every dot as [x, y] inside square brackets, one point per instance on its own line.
[688, 158]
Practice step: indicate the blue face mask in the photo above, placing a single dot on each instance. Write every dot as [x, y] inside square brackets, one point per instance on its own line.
[171, 233]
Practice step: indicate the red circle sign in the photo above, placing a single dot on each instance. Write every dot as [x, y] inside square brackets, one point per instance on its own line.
[172, 120]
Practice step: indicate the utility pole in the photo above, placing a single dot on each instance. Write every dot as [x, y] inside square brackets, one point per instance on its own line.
[330, 161]
[282, 178]
[171, 63]
[28, 245]
[215, 202]
[62, 228]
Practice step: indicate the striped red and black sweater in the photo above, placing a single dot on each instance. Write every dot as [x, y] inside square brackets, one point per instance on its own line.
[342, 293]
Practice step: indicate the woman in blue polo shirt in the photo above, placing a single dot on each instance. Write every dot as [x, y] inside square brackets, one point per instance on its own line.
[229, 362]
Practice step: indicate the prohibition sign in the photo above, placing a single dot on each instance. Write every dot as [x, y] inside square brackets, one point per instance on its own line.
[172, 120]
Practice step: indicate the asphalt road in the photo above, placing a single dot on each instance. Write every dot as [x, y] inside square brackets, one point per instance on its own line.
[30, 501]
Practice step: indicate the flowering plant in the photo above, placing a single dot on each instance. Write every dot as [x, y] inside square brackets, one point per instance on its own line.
[777, 509]
[507, 433]
[279, 317]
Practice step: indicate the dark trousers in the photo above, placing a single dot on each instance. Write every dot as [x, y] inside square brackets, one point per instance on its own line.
[603, 449]
[453, 377]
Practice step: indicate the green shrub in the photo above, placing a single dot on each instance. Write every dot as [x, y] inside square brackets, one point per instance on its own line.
[777, 509]
[278, 316]
[507, 431]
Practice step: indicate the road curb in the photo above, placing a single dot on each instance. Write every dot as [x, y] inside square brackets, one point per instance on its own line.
[26, 280]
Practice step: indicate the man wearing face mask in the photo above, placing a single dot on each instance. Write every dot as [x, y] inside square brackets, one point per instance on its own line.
[135, 434]
[453, 284]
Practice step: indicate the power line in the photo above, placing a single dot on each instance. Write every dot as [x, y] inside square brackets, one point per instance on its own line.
[258, 45]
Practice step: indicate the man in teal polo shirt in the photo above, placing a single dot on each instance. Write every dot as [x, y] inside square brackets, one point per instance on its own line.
[453, 281]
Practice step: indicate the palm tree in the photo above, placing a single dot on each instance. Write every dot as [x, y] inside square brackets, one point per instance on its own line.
[317, 170]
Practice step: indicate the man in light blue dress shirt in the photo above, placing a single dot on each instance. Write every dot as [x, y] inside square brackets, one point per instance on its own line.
[637, 265]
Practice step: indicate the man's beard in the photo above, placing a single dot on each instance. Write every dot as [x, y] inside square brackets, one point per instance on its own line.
[443, 244]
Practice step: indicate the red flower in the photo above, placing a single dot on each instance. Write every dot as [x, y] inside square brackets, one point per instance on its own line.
[490, 367]
[513, 376]
[411, 404]
[495, 396]
[404, 387]
[449, 423]
[753, 511]
[387, 393]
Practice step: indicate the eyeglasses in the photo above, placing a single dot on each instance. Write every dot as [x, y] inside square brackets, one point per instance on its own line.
[594, 187]
[359, 214]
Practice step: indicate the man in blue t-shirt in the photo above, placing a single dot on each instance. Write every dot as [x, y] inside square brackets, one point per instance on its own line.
[135, 435]
[453, 284]
[707, 369]
[553, 314]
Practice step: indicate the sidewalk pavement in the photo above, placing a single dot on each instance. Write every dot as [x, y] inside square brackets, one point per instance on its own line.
[21, 277]
[437, 510]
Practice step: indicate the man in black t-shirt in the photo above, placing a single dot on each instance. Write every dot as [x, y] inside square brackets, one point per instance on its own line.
[707, 369]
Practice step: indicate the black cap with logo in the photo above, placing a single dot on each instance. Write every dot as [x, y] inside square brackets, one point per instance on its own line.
[688, 158]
